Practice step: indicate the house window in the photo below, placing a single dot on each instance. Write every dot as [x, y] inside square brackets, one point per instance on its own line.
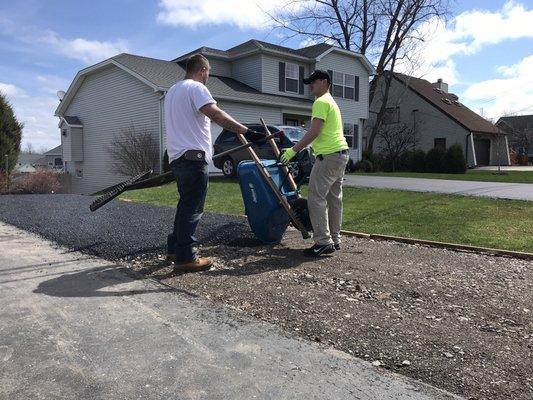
[392, 115]
[64, 132]
[343, 85]
[79, 173]
[349, 86]
[338, 84]
[58, 162]
[291, 77]
[355, 137]
[439, 143]
[348, 134]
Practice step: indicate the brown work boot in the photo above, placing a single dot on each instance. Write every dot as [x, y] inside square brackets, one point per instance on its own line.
[198, 264]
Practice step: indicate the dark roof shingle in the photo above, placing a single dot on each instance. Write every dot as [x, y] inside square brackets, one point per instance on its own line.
[448, 103]
[72, 120]
[516, 123]
[164, 74]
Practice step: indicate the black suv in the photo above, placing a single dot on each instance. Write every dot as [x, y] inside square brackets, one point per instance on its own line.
[287, 137]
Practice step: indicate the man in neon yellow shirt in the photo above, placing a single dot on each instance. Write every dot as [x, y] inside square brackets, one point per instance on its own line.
[326, 137]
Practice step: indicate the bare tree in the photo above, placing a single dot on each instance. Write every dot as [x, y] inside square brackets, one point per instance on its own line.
[383, 30]
[28, 149]
[134, 151]
[395, 140]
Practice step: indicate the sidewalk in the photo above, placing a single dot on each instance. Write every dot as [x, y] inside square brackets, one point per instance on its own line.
[513, 191]
[77, 327]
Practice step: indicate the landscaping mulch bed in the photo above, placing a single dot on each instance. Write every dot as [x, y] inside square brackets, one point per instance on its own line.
[460, 321]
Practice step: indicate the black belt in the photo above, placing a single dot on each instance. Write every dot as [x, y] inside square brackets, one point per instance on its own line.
[321, 156]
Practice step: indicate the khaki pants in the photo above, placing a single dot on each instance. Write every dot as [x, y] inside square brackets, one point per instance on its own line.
[325, 197]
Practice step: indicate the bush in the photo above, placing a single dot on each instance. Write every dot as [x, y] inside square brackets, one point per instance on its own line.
[418, 162]
[40, 182]
[434, 160]
[377, 160]
[3, 182]
[364, 165]
[454, 160]
[405, 162]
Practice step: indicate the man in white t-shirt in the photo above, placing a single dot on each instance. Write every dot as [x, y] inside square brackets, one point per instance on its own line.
[189, 109]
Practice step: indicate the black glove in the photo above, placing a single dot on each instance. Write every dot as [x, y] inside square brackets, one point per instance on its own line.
[254, 136]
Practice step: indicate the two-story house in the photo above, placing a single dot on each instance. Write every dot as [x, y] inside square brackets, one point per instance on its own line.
[252, 80]
[437, 118]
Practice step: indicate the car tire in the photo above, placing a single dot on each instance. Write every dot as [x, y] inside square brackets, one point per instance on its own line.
[228, 167]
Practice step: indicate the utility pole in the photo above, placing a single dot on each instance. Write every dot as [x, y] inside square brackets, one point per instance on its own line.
[7, 171]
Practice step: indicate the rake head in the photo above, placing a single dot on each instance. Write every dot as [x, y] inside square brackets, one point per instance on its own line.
[110, 193]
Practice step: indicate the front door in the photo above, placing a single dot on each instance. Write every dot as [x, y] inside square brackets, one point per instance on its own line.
[482, 147]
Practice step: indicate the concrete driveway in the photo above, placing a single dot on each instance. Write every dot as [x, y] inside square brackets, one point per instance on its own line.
[77, 327]
[514, 191]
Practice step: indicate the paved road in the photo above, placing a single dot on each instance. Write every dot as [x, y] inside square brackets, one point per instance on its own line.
[515, 191]
[75, 327]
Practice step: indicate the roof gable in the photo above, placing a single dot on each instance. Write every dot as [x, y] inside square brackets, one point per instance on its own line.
[307, 54]
[449, 104]
[517, 122]
[161, 75]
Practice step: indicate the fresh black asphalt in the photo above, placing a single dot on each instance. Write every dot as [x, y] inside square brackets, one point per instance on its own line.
[117, 230]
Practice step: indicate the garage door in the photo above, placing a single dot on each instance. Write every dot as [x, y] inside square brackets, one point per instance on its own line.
[482, 147]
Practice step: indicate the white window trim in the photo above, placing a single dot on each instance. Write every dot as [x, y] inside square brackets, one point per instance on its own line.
[343, 85]
[351, 127]
[297, 71]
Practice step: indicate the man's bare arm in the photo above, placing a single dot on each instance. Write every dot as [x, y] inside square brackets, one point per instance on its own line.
[312, 134]
[223, 119]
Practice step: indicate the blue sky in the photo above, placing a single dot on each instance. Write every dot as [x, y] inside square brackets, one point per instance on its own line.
[485, 51]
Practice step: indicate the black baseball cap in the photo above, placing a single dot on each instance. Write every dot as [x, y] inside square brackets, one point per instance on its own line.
[317, 74]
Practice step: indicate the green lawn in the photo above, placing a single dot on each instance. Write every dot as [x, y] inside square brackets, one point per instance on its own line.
[471, 175]
[505, 224]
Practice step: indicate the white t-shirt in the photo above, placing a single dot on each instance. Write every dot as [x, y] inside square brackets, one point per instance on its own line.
[186, 127]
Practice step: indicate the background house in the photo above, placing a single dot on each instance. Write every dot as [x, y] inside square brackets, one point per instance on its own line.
[26, 162]
[520, 130]
[252, 80]
[438, 119]
[52, 159]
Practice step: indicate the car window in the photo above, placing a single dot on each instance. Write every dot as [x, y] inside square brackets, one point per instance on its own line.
[226, 137]
[294, 133]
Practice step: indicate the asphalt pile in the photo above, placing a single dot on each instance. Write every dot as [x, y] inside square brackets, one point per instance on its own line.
[116, 231]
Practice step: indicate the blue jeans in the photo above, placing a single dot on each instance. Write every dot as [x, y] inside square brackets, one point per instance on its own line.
[192, 179]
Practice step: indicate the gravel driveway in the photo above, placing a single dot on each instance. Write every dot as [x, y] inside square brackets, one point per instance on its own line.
[459, 321]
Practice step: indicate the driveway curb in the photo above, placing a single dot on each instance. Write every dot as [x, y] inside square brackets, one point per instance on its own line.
[445, 245]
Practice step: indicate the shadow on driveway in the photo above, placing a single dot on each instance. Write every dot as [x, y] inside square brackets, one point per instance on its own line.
[96, 282]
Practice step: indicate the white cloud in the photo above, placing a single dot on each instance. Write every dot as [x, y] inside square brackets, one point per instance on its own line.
[466, 34]
[510, 93]
[40, 125]
[11, 90]
[87, 51]
[242, 13]
[36, 112]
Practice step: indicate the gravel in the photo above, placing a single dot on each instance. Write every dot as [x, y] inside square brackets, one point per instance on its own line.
[117, 230]
[460, 321]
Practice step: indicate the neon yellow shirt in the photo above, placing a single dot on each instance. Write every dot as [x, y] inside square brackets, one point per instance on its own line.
[331, 138]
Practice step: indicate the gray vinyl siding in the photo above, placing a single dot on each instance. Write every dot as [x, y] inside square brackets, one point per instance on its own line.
[107, 102]
[220, 67]
[76, 143]
[248, 70]
[353, 112]
[429, 122]
[270, 75]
